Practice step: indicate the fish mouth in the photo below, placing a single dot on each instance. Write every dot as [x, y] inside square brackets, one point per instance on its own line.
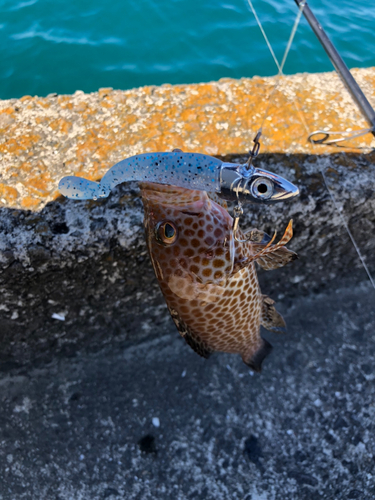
[173, 196]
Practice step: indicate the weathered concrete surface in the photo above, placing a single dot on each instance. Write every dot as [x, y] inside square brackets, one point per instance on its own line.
[86, 262]
[88, 353]
[75, 276]
[301, 430]
[43, 139]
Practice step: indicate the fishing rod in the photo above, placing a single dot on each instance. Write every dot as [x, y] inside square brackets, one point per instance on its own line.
[343, 71]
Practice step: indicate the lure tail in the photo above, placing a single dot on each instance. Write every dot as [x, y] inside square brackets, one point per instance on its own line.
[80, 188]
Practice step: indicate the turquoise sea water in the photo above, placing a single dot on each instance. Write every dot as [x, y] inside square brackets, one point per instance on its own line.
[65, 45]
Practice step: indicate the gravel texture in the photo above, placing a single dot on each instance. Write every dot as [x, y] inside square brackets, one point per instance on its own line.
[155, 421]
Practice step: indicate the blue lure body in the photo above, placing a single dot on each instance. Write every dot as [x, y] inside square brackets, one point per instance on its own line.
[195, 171]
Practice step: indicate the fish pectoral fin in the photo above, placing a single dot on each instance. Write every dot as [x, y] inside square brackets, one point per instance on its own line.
[270, 319]
[255, 359]
[186, 287]
[270, 256]
[191, 338]
[270, 248]
[267, 255]
[273, 260]
[257, 236]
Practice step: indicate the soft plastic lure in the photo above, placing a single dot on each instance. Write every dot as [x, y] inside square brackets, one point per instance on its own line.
[230, 181]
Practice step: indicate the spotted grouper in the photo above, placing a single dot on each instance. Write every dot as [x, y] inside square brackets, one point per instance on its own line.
[207, 276]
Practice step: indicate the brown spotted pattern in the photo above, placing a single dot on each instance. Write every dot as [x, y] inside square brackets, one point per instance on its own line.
[208, 279]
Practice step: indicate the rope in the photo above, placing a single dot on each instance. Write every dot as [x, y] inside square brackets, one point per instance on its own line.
[280, 73]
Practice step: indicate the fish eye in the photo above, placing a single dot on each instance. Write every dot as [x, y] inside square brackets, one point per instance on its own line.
[169, 231]
[262, 188]
[166, 233]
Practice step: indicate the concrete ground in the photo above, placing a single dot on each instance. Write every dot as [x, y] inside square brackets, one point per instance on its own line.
[157, 422]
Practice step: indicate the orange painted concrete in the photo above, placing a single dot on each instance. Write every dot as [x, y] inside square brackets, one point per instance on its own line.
[43, 139]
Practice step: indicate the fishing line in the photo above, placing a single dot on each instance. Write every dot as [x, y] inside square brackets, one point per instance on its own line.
[303, 121]
[263, 33]
[348, 230]
[288, 47]
[343, 221]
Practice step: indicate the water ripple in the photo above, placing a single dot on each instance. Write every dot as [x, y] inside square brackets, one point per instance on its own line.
[62, 45]
[21, 5]
[58, 36]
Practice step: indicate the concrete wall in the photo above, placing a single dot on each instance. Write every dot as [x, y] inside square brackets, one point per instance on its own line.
[76, 275]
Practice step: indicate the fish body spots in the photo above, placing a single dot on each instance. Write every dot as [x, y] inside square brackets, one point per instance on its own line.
[189, 252]
[218, 263]
[194, 269]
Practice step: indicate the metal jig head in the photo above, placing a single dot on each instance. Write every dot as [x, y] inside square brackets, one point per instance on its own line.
[263, 186]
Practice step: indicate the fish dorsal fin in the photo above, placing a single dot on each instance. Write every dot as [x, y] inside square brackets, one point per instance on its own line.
[270, 319]
[191, 337]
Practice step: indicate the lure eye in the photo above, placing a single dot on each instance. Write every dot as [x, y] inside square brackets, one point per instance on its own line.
[262, 188]
[166, 233]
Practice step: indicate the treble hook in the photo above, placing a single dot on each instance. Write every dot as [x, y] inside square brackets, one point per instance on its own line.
[238, 210]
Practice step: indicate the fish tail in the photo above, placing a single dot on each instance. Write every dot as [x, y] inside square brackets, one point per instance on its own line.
[256, 358]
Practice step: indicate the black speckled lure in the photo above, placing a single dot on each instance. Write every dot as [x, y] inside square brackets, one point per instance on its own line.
[230, 181]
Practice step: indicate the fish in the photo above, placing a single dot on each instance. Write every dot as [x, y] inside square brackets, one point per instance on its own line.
[207, 276]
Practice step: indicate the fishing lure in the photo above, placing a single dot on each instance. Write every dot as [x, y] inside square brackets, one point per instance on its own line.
[230, 181]
[202, 260]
